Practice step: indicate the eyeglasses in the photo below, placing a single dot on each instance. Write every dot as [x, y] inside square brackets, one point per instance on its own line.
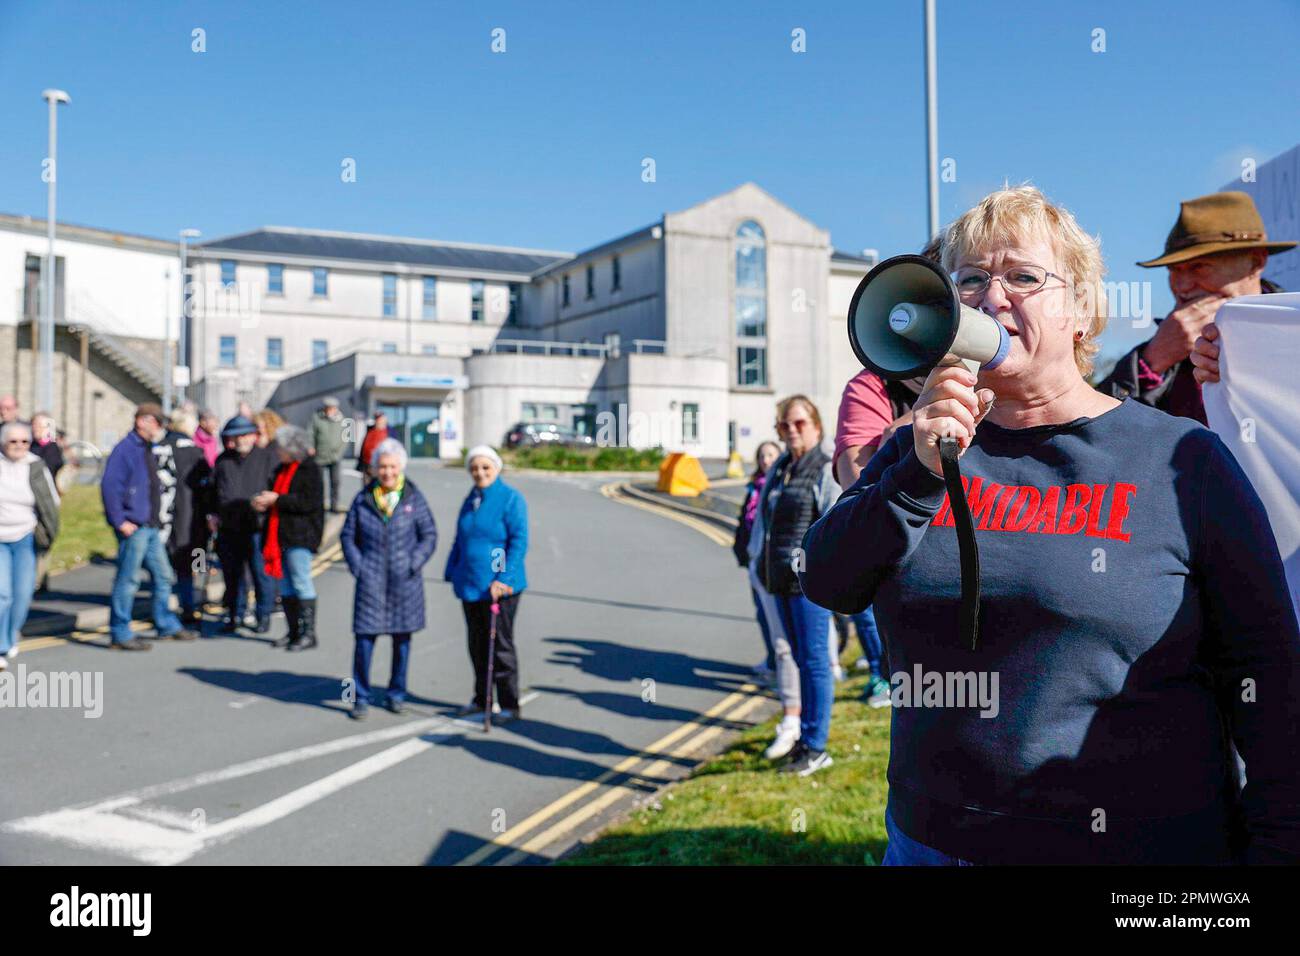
[796, 425]
[1020, 280]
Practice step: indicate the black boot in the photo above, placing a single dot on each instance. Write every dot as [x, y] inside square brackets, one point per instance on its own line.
[306, 625]
[292, 608]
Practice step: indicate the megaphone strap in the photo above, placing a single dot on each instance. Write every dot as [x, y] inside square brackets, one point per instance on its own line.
[966, 545]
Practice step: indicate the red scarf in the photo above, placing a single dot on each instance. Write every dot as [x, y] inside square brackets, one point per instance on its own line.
[271, 546]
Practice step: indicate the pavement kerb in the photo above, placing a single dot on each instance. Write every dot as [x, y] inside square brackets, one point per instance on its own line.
[93, 618]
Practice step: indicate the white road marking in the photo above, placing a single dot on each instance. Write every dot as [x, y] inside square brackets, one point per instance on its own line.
[165, 837]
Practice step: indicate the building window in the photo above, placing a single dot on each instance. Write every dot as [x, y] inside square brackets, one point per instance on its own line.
[512, 317]
[320, 281]
[274, 278]
[690, 422]
[227, 351]
[550, 412]
[430, 309]
[275, 353]
[528, 412]
[428, 350]
[751, 305]
[390, 295]
[591, 282]
[751, 366]
[227, 273]
[584, 419]
[476, 300]
[613, 344]
[616, 273]
[389, 348]
[320, 352]
[564, 296]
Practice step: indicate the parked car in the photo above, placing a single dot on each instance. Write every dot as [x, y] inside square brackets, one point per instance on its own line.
[533, 434]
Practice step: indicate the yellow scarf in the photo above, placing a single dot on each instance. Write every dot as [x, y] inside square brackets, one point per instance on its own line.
[386, 501]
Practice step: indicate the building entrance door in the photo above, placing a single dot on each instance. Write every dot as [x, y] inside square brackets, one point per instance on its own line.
[417, 427]
[423, 428]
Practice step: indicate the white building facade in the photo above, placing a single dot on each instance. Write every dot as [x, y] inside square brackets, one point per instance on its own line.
[682, 334]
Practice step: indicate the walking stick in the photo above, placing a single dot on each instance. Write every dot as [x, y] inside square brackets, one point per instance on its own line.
[492, 646]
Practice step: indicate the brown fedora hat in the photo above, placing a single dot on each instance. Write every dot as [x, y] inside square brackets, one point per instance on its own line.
[1219, 222]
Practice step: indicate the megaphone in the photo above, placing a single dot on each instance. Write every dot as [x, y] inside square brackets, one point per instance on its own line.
[906, 318]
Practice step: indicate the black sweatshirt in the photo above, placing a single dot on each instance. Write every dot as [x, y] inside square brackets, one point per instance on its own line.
[1135, 617]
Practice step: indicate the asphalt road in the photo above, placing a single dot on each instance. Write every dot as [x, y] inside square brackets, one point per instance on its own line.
[226, 751]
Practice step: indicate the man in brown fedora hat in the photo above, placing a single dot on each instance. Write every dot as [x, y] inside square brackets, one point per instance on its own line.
[1215, 252]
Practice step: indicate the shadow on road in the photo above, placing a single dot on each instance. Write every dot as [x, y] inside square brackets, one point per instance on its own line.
[620, 662]
[542, 764]
[631, 705]
[634, 606]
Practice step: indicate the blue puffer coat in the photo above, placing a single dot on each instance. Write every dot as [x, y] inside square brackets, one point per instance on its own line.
[386, 556]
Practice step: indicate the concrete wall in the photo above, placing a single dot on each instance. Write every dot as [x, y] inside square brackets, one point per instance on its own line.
[700, 269]
[94, 403]
[635, 310]
[119, 284]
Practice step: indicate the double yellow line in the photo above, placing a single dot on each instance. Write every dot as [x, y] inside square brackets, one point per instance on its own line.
[619, 781]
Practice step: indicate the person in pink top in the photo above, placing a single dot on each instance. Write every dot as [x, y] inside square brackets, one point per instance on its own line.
[205, 436]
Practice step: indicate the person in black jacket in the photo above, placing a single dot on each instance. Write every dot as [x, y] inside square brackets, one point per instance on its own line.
[187, 543]
[243, 472]
[294, 525]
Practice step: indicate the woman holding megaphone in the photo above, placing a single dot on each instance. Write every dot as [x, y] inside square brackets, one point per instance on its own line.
[1135, 621]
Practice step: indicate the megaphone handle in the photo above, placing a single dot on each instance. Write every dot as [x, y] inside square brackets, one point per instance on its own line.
[966, 546]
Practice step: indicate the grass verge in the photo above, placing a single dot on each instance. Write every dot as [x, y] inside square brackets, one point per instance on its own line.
[83, 532]
[736, 809]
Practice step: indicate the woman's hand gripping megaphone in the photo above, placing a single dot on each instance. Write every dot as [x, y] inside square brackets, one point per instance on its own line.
[948, 407]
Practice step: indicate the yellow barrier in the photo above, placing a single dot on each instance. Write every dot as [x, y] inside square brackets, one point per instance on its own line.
[680, 475]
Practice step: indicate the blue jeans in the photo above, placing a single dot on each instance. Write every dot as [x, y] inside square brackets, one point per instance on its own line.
[763, 626]
[904, 851]
[361, 667]
[297, 581]
[241, 551]
[869, 637]
[807, 627]
[143, 548]
[17, 583]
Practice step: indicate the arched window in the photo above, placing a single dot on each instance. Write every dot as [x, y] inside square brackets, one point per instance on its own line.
[751, 305]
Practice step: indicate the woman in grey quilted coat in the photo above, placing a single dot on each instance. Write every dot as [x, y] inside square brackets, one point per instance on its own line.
[388, 537]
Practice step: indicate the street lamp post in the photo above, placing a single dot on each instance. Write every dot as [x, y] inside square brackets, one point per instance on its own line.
[183, 334]
[931, 123]
[45, 381]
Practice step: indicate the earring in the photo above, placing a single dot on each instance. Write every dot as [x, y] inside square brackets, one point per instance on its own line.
[1078, 336]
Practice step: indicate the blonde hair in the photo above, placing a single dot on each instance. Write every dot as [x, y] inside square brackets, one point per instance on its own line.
[1015, 213]
[269, 422]
[183, 421]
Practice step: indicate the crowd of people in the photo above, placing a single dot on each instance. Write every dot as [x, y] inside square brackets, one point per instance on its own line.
[184, 494]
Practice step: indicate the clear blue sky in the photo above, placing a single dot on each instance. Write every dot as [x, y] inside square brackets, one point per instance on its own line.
[542, 146]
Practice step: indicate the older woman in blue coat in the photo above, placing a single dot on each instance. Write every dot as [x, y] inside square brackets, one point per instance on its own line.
[388, 537]
[486, 567]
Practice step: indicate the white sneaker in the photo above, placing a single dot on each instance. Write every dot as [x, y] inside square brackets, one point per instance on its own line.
[787, 735]
[4, 663]
[12, 652]
[837, 672]
[862, 664]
